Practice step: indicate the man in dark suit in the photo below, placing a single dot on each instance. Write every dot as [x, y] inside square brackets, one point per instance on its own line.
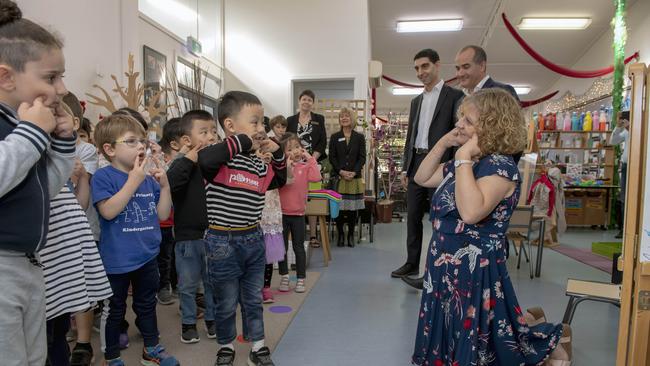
[432, 115]
[471, 71]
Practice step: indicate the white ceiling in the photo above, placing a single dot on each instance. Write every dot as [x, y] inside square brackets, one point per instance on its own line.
[507, 62]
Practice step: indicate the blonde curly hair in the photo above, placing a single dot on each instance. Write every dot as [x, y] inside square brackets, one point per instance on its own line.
[501, 126]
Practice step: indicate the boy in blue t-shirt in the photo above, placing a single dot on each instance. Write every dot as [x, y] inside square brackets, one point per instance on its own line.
[130, 204]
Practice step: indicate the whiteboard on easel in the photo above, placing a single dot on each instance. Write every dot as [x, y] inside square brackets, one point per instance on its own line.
[644, 253]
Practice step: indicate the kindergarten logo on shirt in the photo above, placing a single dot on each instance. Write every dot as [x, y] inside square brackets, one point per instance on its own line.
[243, 180]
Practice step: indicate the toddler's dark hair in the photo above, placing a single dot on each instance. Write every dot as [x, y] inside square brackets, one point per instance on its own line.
[231, 103]
[288, 137]
[22, 40]
[188, 119]
[171, 132]
[85, 126]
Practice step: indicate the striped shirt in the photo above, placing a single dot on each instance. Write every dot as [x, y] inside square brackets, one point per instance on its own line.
[237, 181]
[74, 274]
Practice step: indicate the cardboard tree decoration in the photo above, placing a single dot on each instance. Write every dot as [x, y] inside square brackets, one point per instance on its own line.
[132, 95]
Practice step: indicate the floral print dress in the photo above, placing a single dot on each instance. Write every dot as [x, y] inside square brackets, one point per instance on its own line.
[469, 313]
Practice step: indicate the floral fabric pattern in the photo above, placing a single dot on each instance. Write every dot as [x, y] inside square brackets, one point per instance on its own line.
[469, 314]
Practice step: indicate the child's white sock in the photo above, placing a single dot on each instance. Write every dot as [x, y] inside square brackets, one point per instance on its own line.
[257, 345]
[229, 345]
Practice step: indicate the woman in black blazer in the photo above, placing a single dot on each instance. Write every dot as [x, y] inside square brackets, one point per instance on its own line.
[347, 154]
[310, 128]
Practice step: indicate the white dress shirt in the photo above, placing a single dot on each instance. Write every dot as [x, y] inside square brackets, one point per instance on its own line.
[428, 106]
[478, 86]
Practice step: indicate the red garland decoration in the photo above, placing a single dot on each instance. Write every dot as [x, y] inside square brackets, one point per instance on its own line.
[524, 103]
[528, 103]
[407, 85]
[557, 68]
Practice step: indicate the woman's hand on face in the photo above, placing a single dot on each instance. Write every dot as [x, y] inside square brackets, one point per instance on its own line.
[453, 138]
[469, 150]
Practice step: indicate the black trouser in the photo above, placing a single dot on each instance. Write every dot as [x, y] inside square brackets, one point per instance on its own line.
[167, 259]
[417, 203]
[296, 226]
[58, 351]
[268, 275]
[349, 217]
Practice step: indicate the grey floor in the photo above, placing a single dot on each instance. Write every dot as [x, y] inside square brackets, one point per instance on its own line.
[358, 315]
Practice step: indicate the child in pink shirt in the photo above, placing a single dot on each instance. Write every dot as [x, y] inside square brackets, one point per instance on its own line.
[301, 169]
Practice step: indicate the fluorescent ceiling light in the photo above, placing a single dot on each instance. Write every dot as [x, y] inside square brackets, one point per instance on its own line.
[407, 91]
[174, 8]
[554, 23]
[439, 25]
[522, 90]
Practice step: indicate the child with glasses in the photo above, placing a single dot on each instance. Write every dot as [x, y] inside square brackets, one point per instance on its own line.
[130, 204]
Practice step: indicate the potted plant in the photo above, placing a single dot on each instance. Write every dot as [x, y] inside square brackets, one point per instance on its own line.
[386, 138]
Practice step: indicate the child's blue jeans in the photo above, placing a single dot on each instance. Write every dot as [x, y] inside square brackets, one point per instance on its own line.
[236, 261]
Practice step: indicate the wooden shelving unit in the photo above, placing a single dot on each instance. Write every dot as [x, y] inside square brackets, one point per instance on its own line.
[584, 153]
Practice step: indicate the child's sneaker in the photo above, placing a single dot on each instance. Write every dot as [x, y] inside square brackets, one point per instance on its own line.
[300, 285]
[189, 334]
[165, 296]
[114, 362]
[211, 327]
[284, 284]
[225, 357]
[260, 358]
[267, 296]
[124, 341]
[156, 356]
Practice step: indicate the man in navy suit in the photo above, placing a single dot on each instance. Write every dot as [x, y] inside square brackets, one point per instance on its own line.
[471, 71]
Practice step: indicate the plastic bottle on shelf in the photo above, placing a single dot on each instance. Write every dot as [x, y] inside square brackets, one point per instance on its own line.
[587, 122]
[575, 122]
[603, 120]
[553, 121]
[595, 121]
[540, 121]
[567, 122]
[534, 119]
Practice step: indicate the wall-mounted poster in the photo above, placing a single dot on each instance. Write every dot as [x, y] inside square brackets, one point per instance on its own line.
[155, 76]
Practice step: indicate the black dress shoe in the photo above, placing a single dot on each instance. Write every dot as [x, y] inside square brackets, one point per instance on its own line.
[406, 270]
[415, 282]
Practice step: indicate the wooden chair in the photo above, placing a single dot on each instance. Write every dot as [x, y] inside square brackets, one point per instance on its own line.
[520, 230]
[579, 291]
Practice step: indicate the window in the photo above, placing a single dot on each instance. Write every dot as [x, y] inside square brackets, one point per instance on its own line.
[197, 88]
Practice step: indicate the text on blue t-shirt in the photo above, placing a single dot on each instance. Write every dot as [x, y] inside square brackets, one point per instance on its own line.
[132, 238]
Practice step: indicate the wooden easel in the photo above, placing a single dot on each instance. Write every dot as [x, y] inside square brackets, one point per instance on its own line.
[634, 324]
[320, 207]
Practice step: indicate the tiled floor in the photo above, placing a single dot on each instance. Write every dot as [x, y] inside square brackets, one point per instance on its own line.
[358, 315]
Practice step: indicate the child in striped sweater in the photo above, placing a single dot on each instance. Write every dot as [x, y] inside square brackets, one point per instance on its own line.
[237, 180]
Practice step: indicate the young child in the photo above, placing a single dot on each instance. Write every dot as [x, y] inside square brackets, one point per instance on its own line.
[85, 131]
[302, 168]
[74, 275]
[37, 145]
[271, 222]
[196, 130]
[278, 127]
[237, 182]
[166, 257]
[130, 204]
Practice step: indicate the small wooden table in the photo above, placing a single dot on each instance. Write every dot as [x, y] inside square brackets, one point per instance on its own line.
[320, 207]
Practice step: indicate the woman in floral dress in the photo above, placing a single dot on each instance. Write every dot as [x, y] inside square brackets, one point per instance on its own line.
[469, 313]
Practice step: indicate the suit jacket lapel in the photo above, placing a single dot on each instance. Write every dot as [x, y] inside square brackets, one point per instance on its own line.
[416, 121]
